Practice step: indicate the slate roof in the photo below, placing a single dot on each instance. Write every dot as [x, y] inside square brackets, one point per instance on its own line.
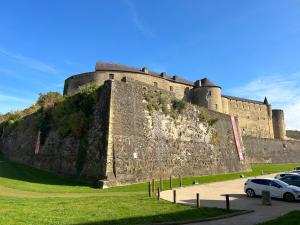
[103, 66]
[207, 83]
[243, 99]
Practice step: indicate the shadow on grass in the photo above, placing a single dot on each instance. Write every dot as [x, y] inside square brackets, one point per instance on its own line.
[190, 215]
[17, 171]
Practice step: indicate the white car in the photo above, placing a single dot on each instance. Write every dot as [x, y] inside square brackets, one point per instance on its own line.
[277, 188]
[280, 175]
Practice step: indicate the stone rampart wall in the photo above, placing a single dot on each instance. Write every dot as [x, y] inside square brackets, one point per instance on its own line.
[263, 150]
[151, 143]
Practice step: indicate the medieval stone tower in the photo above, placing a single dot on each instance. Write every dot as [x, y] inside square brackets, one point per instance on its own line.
[207, 94]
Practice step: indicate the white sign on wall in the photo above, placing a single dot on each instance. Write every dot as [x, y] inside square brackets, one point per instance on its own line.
[135, 155]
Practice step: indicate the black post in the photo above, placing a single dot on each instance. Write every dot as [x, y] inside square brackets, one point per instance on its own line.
[227, 203]
[198, 200]
[149, 189]
[180, 180]
[171, 186]
[174, 196]
[160, 184]
[153, 185]
[158, 193]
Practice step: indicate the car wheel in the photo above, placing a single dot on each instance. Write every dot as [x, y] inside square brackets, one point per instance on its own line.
[250, 193]
[289, 197]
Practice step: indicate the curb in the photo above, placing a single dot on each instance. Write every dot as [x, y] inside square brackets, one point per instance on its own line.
[206, 219]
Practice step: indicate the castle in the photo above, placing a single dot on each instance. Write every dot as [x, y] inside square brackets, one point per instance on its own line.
[144, 125]
[255, 118]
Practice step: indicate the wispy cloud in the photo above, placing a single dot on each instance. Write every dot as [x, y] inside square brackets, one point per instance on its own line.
[8, 98]
[282, 91]
[28, 62]
[136, 19]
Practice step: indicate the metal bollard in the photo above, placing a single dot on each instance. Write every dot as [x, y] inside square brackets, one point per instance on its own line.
[153, 185]
[149, 189]
[174, 196]
[227, 203]
[180, 184]
[266, 198]
[198, 200]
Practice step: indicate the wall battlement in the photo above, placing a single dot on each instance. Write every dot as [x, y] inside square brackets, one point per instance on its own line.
[255, 118]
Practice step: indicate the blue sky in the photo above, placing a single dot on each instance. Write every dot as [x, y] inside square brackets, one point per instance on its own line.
[251, 48]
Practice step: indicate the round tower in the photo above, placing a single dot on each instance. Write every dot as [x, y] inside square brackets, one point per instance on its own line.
[207, 94]
[278, 123]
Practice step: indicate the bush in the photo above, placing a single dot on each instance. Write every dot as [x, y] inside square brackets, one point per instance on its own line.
[49, 99]
[178, 105]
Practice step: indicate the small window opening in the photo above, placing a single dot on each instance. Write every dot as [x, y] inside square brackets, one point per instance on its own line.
[111, 76]
[216, 106]
[171, 88]
[155, 84]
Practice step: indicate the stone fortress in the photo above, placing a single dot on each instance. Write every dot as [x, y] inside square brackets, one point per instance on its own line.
[147, 125]
[255, 118]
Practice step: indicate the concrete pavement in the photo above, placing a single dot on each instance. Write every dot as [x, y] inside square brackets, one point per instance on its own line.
[213, 195]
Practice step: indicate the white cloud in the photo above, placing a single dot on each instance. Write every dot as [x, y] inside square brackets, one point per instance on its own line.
[282, 91]
[136, 19]
[28, 62]
[8, 98]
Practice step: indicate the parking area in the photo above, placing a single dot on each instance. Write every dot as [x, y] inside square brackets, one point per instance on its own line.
[213, 195]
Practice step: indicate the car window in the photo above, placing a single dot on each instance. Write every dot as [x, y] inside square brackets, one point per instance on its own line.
[257, 181]
[274, 184]
[261, 182]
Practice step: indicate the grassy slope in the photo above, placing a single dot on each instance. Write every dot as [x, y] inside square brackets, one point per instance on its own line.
[31, 196]
[293, 134]
[291, 218]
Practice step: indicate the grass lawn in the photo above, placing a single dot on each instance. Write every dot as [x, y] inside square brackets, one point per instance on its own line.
[291, 218]
[30, 196]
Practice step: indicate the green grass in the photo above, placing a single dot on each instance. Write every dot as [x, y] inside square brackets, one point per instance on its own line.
[31, 196]
[291, 218]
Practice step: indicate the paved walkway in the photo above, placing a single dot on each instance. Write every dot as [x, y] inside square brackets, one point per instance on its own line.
[212, 195]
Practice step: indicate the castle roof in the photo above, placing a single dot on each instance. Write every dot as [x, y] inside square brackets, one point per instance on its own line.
[243, 99]
[266, 101]
[205, 83]
[103, 66]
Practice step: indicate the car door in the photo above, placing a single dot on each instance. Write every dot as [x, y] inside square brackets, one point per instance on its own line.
[264, 185]
[275, 190]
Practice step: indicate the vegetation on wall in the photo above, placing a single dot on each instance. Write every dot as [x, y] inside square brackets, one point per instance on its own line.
[161, 102]
[206, 118]
[293, 134]
[70, 115]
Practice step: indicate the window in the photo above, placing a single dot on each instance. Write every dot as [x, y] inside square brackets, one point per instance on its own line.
[261, 182]
[171, 88]
[111, 76]
[216, 106]
[274, 184]
[155, 84]
[209, 93]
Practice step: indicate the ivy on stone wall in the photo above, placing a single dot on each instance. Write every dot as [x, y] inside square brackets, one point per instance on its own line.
[158, 101]
[206, 118]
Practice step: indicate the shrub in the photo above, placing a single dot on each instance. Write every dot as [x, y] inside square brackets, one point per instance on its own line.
[178, 105]
[49, 99]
